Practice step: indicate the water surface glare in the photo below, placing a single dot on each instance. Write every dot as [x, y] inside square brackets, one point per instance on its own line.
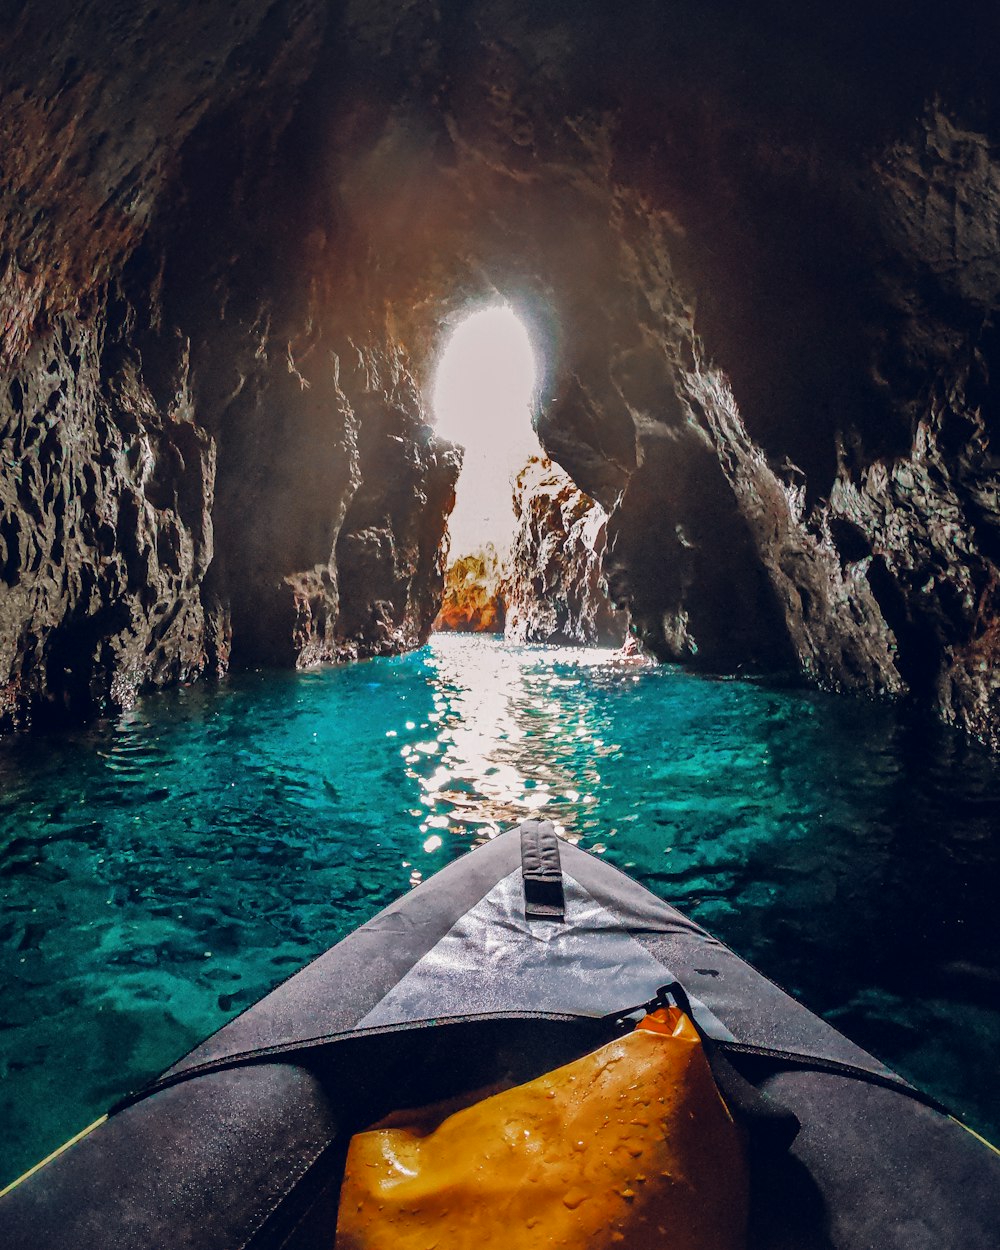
[161, 872]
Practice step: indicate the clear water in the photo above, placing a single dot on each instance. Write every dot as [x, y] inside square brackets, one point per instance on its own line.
[159, 873]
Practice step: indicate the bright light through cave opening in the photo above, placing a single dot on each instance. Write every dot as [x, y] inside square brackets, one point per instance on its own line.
[482, 400]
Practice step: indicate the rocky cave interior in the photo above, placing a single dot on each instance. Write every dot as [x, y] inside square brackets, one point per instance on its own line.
[758, 247]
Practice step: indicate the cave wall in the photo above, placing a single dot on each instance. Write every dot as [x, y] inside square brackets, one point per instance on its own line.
[214, 449]
[555, 589]
[106, 529]
[767, 243]
[759, 247]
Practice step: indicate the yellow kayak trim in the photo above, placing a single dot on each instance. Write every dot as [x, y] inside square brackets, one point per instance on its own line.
[54, 1155]
[976, 1135]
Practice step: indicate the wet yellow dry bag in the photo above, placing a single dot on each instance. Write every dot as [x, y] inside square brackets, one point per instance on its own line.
[629, 1146]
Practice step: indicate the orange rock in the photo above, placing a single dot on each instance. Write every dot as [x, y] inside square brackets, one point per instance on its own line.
[474, 594]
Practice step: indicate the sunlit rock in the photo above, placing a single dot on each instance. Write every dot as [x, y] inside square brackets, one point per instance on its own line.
[474, 600]
[554, 590]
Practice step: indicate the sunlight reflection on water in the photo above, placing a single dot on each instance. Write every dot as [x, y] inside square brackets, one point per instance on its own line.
[505, 749]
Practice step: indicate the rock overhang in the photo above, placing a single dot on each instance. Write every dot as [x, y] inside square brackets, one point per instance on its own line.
[759, 256]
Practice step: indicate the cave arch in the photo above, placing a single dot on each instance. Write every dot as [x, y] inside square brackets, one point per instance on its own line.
[220, 303]
[485, 390]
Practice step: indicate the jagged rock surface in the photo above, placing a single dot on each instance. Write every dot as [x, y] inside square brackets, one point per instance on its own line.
[203, 463]
[759, 249]
[105, 528]
[475, 594]
[554, 588]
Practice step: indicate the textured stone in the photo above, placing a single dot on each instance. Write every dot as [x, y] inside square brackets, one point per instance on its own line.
[195, 472]
[475, 594]
[554, 589]
[758, 250]
[105, 525]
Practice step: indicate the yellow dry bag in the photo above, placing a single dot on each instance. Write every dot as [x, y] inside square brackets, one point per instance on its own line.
[629, 1146]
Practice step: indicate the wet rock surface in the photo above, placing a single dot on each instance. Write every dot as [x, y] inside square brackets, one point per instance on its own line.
[760, 253]
[106, 527]
[555, 589]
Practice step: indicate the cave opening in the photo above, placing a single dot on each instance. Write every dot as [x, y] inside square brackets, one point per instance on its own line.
[484, 388]
[485, 385]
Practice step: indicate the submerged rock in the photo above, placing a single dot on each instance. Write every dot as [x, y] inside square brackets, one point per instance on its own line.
[555, 591]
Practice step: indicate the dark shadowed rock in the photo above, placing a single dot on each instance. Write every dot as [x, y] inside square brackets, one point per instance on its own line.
[757, 247]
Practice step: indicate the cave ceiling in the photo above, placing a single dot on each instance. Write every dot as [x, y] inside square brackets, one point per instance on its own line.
[757, 246]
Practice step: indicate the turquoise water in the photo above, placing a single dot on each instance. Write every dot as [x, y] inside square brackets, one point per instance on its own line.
[161, 872]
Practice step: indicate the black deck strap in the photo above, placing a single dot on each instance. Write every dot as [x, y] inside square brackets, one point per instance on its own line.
[770, 1125]
[299, 1051]
[542, 871]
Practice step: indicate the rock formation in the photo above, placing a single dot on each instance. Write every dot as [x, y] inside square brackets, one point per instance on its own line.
[474, 600]
[758, 246]
[203, 462]
[554, 588]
